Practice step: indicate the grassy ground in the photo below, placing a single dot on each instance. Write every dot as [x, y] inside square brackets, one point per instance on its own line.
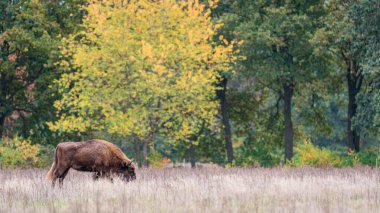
[199, 190]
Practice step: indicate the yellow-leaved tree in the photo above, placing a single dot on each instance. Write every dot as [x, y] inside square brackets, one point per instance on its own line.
[143, 67]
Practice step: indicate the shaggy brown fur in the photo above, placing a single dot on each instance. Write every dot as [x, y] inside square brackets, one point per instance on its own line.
[101, 157]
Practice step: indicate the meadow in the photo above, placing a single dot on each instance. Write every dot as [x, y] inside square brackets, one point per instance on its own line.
[197, 190]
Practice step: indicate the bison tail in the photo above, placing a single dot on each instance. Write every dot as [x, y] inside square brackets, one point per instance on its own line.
[50, 174]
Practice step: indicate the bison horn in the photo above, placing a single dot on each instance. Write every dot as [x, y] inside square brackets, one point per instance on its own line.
[126, 164]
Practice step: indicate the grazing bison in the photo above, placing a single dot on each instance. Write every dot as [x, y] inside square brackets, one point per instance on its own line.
[101, 157]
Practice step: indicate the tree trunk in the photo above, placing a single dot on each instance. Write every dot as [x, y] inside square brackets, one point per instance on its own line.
[354, 80]
[192, 155]
[145, 154]
[288, 134]
[3, 102]
[225, 119]
[2, 121]
[4, 87]
[138, 153]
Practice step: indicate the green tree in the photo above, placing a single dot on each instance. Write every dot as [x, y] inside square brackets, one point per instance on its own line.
[216, 13]
[30, 32]
[366, 16]
[350, 38]
[277, 45]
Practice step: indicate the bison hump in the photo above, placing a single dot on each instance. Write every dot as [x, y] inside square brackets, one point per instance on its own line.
[114, 149]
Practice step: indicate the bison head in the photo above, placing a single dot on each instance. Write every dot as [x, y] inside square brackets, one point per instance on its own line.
[129, 171]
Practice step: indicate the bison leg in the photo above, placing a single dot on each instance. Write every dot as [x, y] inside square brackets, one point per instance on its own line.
[60, 174]
[62, 177]
[96, 176]
[53, 182]
[56, 175]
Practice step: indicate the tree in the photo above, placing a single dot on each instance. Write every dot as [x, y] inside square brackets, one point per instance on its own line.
[29, 38]
[221, 94]
[217, 12]
[279, 54]
[349, 36]
[143, 68]
[366, 17]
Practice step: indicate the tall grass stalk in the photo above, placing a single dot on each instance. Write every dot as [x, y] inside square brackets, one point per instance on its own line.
[199, 190]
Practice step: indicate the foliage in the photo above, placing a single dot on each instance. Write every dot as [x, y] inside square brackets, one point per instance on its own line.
[211, 148]
[367, 19]
[369, 157]
[150, 72]
[258, 155]
[30, 33]
[349, 37]
[17, 152]
[143, 67]
[308, 154]
[27, 41]
[278, 51]
[46, 156]
[156, 160]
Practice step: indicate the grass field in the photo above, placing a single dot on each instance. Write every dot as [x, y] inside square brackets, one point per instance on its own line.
[199, 190]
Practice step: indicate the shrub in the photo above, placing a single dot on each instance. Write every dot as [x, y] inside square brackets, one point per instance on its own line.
[258, 155]
[307, 154]
[18, 153]
[156, 160]
[369, 157]
[310, 155]
[349, 159]
[46, 156]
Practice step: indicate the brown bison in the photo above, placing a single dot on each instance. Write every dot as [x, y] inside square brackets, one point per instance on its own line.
[101, 157]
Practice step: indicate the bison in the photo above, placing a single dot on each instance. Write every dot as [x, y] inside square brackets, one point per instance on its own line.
[99, 156]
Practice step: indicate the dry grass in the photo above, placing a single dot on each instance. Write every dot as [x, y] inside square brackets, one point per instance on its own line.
[200, 190]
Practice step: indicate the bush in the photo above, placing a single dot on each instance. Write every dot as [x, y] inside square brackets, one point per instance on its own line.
[18, 153]
[369, 157]
[310, 155]
[307, 154]
[258, 155]
[349, 159]
[156, 160]
[46, 156]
